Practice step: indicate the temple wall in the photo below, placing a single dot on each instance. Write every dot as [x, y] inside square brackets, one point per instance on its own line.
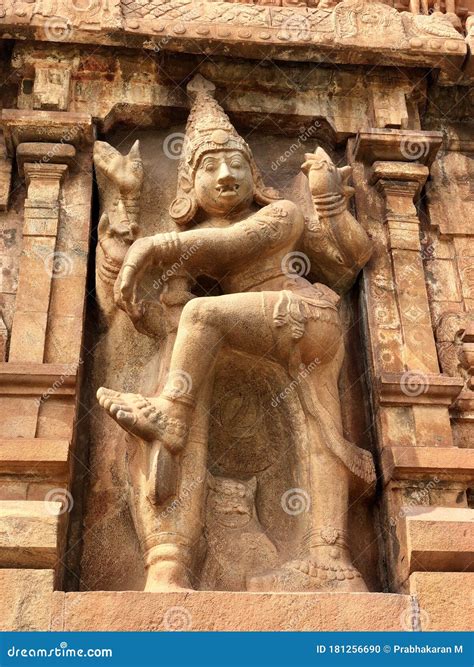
[399, 112]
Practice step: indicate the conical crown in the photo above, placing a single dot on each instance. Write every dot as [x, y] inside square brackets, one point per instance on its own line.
[208, 127]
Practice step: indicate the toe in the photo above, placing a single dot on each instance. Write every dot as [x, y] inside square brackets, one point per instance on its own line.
[115, 408]
[104, 392]
[126, 418]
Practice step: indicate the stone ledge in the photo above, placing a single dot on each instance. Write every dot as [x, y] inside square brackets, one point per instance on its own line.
[380, 145]
[42, 154]
[449, 463]
[28, 533]
[445, 600]
[346, 33]
[34, 378]
[45, 126]
[417, 388]
[440, 539]
[225, 611]
[34, 456]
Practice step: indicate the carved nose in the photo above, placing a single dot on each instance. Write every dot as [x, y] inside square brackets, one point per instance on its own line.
[224, 176]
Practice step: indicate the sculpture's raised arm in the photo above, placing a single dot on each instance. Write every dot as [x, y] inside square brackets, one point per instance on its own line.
[335, 242]
[120, 181]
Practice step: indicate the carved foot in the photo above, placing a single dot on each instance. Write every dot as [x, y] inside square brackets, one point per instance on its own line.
[307, 576]
[146, 418]
[167, 576]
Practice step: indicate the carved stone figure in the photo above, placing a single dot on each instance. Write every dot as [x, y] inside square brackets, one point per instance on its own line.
[232, 228]
[240, 545]
[455, 336]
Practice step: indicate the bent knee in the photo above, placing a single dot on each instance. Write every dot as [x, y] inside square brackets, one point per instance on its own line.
[323, 343]
[201, 310]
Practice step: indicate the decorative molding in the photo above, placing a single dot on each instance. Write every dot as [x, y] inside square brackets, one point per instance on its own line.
[409, 146]
[37, 379]
[40, 457]
[381, 34]
[446, 463]
[45, 126]
[400, 389]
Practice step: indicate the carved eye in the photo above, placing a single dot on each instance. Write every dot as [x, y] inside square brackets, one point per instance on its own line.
[236, 164]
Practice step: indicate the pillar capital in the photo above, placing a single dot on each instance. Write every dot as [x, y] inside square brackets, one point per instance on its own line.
[398, 178]
[415, 147]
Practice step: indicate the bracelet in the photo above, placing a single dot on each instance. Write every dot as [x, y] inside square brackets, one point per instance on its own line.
[170, 238]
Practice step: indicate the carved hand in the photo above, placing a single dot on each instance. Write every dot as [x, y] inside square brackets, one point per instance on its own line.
[126, 171]
[116, 233]
[324, 177]
[138, 258]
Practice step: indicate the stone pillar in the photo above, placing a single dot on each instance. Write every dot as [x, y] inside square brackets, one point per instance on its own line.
[38, 261]
[39, 376]
[410, 395]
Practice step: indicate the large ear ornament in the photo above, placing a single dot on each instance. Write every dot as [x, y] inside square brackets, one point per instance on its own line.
[183, 209]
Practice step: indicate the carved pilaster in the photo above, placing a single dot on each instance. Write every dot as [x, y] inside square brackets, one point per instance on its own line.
[399, 183]
[38, 261]
[400, 327]
[411, 395]
[38, 379]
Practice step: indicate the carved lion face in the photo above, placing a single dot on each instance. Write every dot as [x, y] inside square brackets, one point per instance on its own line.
[223, 183]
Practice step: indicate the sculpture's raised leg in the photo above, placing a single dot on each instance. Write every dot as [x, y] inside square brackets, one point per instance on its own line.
[239, 321]
[246, 323]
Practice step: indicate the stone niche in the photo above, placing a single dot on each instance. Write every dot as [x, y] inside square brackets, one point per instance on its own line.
[254, 429]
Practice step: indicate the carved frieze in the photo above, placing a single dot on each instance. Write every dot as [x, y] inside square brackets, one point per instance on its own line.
[376, 32]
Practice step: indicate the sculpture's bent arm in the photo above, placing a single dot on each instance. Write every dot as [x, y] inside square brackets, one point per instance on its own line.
[335, 242]
[277, 225]
[212, 250]
[120, 180]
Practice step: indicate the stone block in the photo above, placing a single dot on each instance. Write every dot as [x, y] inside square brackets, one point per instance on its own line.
[33, 456]
[28, 336]
[56, 418]
[25, 600]
[28, 533]
[448, 463]
[224, 611]
[19, 415]
[445, 600]
[440, 539]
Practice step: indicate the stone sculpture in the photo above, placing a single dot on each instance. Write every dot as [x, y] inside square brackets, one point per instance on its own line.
[231, 508]
[234, 229]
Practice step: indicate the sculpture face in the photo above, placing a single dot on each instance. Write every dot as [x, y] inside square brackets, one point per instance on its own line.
[223, 182]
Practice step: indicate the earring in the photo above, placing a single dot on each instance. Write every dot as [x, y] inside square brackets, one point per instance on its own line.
[183, 209]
